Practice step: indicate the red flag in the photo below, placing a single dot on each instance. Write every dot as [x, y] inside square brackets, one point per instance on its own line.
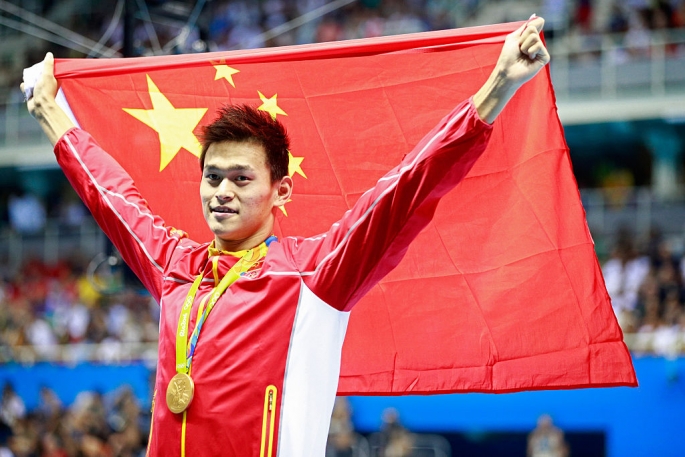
[501, 292]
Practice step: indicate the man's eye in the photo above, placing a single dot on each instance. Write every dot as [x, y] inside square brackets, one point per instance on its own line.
[242, 178]
[212, 176]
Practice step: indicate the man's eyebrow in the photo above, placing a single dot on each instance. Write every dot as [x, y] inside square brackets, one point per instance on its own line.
[235, 167]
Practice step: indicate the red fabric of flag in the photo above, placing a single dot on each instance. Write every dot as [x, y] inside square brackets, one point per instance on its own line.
[501, 292]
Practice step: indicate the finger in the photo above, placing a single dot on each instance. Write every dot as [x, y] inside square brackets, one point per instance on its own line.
[529, 31]
[536, 51]
[529, 41]
[49, 64]
[542, 54]
[537, 22]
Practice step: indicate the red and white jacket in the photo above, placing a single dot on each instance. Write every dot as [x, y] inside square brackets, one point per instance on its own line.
[267, 362]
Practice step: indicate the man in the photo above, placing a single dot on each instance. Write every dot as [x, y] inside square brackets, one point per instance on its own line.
[546, 440]
[259, 376]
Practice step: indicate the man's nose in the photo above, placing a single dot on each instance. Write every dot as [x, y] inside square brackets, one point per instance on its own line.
[225, 191]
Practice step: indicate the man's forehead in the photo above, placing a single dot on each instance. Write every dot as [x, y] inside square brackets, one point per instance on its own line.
[248, 154]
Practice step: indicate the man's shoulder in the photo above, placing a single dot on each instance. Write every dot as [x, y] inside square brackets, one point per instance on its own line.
[188, 258]
[300, 252]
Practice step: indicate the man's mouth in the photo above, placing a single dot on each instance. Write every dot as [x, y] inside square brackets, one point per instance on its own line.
[224, 210]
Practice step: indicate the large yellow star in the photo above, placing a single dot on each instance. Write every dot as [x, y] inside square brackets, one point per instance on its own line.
[270, 105]
[295, 165]
[174, 125]
[224, 71]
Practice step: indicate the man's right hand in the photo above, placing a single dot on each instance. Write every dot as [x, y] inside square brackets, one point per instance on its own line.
[45, 89]
[42, 105]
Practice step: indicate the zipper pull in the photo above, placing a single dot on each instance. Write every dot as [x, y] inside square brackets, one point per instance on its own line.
[271, 400]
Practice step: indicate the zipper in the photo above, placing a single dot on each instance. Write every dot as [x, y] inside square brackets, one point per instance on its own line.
[268, 421]
[152, 423]
[184, 424]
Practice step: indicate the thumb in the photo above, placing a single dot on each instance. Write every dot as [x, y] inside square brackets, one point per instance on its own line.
[49, 64]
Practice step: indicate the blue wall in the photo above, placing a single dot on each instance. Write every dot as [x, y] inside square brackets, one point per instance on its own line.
[68, 381]
[645, 421]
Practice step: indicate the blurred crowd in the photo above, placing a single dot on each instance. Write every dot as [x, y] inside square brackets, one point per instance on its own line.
[577, 27]
[646, 286]
[392, 440]
[242, 24]
[164, 27]
[27, 212]
[56, 313]
[631, 25]
[94, 425]
[115, 424]
[612, 16]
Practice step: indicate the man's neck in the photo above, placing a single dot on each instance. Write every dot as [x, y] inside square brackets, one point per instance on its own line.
[240, 245]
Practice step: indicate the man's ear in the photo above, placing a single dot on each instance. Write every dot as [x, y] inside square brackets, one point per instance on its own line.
[284, 190]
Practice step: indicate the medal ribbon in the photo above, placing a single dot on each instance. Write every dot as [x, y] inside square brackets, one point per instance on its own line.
[184, 348]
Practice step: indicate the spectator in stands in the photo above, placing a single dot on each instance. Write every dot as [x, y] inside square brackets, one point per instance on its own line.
[5, 434]
[393, 440]
[50, 446]
[623, 275]
[40, 335]
[556, 14]
[342, 439]
[12, 409]
[49, 408]
[123, 418]
[638, 37]
[660, 302]
[26, 213]
[584, 12]
[618, 19]
[72, 212]
[547, 440]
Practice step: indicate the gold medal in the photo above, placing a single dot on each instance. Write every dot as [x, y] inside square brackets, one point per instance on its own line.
[179, 393]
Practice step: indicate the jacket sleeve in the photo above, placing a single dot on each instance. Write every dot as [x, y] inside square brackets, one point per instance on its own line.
[343, 264]
[110, 194]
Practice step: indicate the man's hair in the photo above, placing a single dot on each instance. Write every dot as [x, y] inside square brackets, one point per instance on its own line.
[244, 123]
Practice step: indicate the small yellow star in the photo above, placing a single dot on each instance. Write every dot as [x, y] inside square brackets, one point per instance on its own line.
[295, 165]
[224, 71]
[270, 105]
[174, 125]
[282, 208]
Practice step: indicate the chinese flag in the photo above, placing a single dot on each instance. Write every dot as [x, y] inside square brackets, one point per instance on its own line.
[501, 292]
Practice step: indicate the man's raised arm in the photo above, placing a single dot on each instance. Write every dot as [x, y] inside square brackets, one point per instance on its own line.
[522, 56]
[42, 105]
[371, 238]
[145, 242]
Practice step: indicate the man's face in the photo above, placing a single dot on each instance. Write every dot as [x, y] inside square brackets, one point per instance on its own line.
[238, 195]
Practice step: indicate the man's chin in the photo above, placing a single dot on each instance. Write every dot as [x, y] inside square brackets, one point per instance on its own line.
[222, 232]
